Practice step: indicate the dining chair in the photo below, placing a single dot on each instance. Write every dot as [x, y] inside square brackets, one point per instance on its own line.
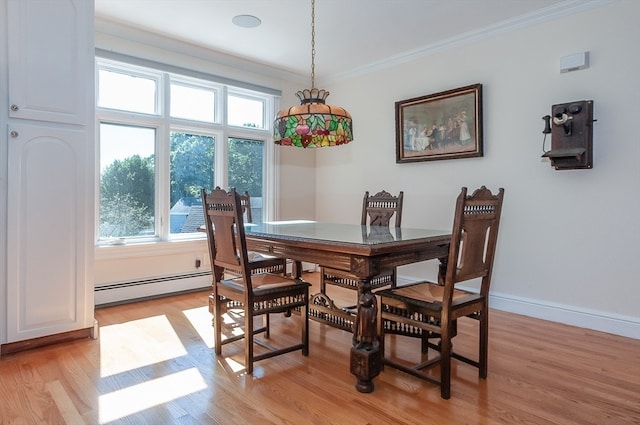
[431, 310]
[259, 262]
[257, 294]
[377, 210]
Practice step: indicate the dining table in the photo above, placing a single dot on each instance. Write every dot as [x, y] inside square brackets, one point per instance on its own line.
[363, 250]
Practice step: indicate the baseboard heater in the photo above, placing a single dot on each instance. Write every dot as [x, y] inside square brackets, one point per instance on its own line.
[136, 290]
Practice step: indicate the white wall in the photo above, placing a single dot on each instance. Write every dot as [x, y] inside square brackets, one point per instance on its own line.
[568, 242]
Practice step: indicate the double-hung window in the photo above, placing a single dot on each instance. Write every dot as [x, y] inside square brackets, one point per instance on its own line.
[162, 137]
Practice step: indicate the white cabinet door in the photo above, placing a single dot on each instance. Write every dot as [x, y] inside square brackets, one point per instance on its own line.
[49, 49]
[48, 287]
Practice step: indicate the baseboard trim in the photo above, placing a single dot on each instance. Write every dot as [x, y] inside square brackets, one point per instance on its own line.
[601, 321]
[18, 346]
[616, 324]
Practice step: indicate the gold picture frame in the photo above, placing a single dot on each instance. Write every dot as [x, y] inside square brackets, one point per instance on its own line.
[444, 125]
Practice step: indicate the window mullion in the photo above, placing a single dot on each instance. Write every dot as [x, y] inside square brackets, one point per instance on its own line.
[162, 163]
[221, 166]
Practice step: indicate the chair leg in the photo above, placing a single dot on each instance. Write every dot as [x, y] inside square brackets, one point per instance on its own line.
[484, 343]
[445, 362]
[424, 339]
[304, 317]
[266, 322]
[217, 324]
[323, 284]
[381, 337]
[248, 341]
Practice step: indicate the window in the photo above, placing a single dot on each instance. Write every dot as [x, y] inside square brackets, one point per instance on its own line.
[192, 103]
[163, 137]
[127, 180]
[141, 91]
[245, 111]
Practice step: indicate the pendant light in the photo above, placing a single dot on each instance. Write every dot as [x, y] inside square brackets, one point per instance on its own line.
[312, 124]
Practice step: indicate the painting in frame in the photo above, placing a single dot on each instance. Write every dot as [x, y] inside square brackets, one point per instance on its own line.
[444, 125]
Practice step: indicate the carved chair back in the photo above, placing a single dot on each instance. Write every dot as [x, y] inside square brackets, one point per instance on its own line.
[380, 208]
[245, 203]
[227, 244]
[473, 239]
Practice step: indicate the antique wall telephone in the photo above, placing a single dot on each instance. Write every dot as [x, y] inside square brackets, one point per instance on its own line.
[571, 129]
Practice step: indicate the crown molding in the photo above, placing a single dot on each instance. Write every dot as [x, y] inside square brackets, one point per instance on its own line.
[557, 11]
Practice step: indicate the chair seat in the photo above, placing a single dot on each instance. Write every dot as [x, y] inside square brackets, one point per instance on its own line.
[262, 261]
[428, 295]
[259, 263]
[265, 284]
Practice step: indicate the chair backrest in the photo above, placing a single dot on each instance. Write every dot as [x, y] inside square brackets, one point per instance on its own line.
[245, 202]
[224, 226]
[380, 207]
[473, 239]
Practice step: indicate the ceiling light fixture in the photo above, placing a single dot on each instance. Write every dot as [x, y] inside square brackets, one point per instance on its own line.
[246, 21]
[312, 124]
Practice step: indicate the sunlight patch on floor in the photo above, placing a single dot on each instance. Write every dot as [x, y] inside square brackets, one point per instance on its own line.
[136, 398]
[138, 345]
[63, 402]
[233, 365]
[200, 319]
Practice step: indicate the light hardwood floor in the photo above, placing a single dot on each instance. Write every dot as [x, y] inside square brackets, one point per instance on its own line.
[154, 364]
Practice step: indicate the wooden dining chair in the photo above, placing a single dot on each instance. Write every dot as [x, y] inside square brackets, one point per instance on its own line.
[377, 210]
[257, 294]
[431, 310]
[259, 262]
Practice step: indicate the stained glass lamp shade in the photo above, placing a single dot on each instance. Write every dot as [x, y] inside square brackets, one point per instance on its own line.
[313, 124]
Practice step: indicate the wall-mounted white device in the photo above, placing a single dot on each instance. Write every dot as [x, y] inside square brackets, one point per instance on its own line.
[574, 62]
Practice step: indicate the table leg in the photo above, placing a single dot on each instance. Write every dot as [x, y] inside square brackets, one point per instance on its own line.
[442, 270]
[296, 269]
[365, 353]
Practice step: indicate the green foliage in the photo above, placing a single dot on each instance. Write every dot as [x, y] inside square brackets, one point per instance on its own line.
[127, 186]
[122, 216]
[127, 197]
[245, 165]
[191, 165]
[132, 176]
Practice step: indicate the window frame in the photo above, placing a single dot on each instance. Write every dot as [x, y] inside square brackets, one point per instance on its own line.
[164, 124]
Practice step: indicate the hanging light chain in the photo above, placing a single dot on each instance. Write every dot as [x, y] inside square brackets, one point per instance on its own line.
[313, 43]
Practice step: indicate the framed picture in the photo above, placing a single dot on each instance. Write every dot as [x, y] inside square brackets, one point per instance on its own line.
[443, 125]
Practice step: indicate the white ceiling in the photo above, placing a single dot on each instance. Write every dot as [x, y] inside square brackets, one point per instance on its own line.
[350, 34]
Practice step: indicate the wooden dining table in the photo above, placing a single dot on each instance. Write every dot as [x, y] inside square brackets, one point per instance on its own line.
[362, 250]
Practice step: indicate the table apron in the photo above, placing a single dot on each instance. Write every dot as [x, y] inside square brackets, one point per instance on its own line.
[358, 264]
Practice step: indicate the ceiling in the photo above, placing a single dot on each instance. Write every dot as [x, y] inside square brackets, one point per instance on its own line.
[350, 35]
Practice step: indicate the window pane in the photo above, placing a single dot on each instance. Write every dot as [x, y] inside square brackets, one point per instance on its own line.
[127, 181]
[192, 103]
[126, 92]
[245, 112]
[245, 171]
[191, 168]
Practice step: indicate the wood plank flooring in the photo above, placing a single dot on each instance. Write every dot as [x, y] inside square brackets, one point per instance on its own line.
[154, 364]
